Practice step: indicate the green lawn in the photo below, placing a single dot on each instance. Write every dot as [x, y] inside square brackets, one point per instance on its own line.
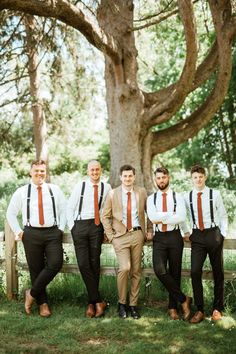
[68, 331]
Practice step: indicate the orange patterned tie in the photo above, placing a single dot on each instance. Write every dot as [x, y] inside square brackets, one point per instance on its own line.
[40, 205]
[96, 208]
[129, 209]
[164, 208]
[199, 210]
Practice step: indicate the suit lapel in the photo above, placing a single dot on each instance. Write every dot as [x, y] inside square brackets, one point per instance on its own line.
[119, 201]
[136, 191]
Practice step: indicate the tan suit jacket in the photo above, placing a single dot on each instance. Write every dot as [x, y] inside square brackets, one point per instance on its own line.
[112, 212]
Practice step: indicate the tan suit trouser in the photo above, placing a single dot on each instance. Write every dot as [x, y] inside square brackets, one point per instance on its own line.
[128, 250]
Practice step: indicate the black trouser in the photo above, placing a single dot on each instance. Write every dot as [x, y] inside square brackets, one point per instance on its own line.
[44, 254]
[168, 248]
[88, 239]
[207, 242]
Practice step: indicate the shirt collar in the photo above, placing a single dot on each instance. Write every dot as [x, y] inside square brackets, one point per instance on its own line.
[125, 190]
[36, 186]
[92, 184]
[167, 192]
[204, 190]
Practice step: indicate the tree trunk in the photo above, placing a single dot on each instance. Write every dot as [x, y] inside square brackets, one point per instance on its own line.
[225, 146]
[132, 114]
[39, 126]
[125, 101]
[124, 111]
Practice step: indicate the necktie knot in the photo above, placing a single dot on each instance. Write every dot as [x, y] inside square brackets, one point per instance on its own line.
[199, 194]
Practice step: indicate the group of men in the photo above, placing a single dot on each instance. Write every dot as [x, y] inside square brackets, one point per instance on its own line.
[95, 210]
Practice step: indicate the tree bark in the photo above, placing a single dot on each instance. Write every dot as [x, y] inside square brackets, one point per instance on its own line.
[225, 148]
[123, 96]
[39, 126]
[132, 113]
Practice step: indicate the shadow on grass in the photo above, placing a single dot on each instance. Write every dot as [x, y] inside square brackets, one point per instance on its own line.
[68, 331]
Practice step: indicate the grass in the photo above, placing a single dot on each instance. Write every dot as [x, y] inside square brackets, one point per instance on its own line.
[68, 331]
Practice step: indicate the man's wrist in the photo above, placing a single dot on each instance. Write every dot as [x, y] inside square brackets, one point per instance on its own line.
[19, 235]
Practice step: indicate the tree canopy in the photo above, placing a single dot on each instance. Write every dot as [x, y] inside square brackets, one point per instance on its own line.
[143, 122]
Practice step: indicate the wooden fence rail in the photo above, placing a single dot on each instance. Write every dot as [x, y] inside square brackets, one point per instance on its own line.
[12, 265]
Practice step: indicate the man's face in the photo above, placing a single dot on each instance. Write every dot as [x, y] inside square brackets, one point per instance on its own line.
[38, 174]
[127, 178]
[94, 171]
[199, 180]
[162, 181]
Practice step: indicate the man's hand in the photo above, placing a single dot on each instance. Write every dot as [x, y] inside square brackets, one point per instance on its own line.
[186, 237]
[19, 236]
[149, 236]
[105, 238]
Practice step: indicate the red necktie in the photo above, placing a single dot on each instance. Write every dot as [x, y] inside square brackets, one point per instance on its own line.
[199, 210]
[96, 208]
[40, 205]
[129, 209]
[164, 208]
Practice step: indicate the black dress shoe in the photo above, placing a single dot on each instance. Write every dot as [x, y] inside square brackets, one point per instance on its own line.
[122, 311]
[134, 312]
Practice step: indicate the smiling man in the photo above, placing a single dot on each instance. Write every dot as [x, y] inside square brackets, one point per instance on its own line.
[124, 224]
[209, 227]
[166, 210]
[43, 212]
[83, 218]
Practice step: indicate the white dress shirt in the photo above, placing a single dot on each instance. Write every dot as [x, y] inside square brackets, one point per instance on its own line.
[134, 210]
[18, 203]
[169, 217]
[87, 211]
[220, 214]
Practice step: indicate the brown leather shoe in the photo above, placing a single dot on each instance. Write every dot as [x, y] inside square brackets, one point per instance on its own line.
[216, 315]
[100, 308]
[186, 308]
[44, 310]
[90, 312]
[173, 314]
[29, 300]
[197, 317]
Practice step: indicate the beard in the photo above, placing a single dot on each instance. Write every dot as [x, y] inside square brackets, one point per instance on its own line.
[163, 186]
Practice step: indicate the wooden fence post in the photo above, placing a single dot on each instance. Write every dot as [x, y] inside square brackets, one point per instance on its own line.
[10, 262]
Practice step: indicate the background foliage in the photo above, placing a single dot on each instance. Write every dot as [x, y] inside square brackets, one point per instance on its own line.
[73, 93]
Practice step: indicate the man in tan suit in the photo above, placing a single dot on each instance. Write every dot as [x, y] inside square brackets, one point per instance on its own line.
[124, 224]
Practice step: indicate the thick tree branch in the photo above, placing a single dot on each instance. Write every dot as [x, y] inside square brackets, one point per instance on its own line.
[203, 73]
[161, 112]
[64, 11]
[187, 128]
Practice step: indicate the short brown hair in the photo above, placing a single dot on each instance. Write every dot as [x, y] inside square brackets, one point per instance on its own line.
[161, 169]
[127, 168]
[198, 169]
[38, 162]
